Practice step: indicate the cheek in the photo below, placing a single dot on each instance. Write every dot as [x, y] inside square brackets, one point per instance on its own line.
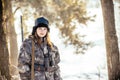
[37, 31]
[46, 31]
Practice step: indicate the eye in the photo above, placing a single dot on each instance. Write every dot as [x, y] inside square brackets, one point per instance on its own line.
[45, 29]
[39, 28]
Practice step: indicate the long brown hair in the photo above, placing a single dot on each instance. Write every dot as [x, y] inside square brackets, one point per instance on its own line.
[38, 40]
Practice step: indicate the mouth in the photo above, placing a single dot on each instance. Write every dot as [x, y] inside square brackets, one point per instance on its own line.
[41, 34]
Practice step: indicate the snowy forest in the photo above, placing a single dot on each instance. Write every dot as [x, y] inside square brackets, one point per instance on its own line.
[87, 33]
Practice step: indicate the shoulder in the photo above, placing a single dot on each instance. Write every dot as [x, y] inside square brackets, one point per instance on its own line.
[55, 48]
[29, 39]
[27, 42]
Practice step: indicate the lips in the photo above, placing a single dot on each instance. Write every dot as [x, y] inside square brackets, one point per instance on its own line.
[41, 33]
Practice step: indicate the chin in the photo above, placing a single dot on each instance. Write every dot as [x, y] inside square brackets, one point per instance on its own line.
[41, 36]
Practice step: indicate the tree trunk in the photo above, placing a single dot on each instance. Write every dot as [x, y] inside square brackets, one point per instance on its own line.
[11, 37]
[4, 55]
[111, 40]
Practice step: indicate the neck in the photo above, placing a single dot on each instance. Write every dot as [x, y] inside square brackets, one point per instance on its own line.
[42, 39]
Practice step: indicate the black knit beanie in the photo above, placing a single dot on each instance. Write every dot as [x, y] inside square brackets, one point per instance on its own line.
[40, 22]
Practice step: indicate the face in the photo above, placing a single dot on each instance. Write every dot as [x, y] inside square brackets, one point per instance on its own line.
[41, 31]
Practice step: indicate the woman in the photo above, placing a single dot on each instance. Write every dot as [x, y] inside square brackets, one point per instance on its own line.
[46, 55]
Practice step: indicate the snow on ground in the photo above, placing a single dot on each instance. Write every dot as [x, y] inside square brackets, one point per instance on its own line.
[88, 66]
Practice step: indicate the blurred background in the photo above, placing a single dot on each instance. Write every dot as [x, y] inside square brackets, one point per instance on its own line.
[76, 28]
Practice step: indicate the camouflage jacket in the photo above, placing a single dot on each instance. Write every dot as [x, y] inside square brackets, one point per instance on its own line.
[41, 73]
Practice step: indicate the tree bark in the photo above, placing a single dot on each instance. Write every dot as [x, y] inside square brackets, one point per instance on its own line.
[11, 37]
[111, 40]
[4, 55]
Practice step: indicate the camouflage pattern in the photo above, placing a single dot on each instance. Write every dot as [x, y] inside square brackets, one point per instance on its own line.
[24, 61]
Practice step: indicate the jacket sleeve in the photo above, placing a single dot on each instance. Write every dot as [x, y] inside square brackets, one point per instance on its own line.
[57, 75]
[57, 56]
[24, 58]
